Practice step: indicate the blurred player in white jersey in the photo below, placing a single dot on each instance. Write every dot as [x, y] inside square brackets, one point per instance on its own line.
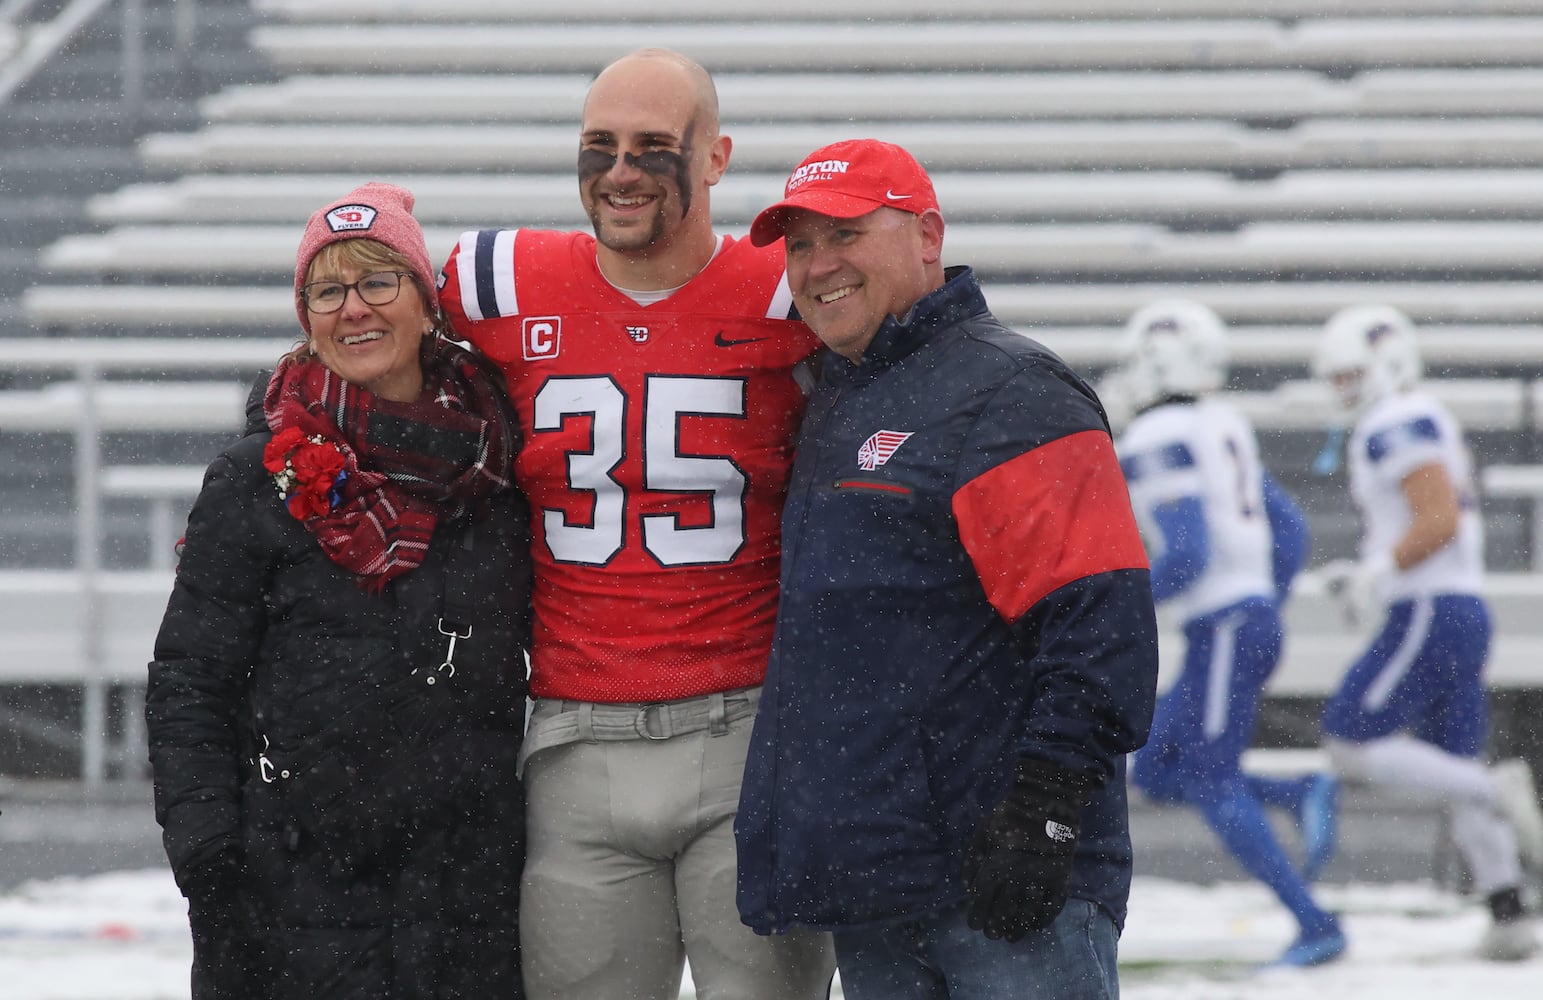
[1226, 542]
[1411, 712]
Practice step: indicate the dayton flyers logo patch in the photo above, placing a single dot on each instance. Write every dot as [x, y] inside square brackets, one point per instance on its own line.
[345, 218]
[877, 449]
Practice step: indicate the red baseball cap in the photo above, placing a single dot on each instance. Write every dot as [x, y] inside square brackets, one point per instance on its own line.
[847, 179]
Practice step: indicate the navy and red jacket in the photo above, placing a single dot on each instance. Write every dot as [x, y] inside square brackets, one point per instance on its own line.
[963, 583]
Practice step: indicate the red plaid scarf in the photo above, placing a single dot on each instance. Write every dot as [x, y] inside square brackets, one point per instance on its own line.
[406, 465]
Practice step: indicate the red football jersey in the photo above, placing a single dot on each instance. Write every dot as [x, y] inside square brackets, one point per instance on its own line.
[656, 446]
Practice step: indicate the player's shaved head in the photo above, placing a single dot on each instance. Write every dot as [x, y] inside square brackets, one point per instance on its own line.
[656, 68]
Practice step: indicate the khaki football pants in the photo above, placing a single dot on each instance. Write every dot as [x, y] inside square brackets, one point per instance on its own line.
[631, 863]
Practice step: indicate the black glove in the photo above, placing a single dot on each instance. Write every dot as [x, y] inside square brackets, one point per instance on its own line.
[1018, 864]
[225, 964]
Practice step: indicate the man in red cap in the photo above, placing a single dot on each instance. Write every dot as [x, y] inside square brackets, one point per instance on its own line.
[652, 367]
[965, 647]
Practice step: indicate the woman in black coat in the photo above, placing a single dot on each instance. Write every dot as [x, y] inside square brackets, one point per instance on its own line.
[337, 697]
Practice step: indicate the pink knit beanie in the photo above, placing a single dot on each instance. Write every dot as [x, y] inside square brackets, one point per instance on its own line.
[375, 211]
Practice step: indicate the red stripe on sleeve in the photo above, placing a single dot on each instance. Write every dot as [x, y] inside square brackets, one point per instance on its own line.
[1046, 518]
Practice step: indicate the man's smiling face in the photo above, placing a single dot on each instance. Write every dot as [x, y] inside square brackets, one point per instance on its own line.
[846, 275]
[641, 161]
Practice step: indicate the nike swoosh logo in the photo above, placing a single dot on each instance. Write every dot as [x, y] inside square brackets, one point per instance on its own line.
[892, 196]
[723, 341]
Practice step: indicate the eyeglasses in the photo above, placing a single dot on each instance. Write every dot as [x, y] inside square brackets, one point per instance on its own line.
[378, 289]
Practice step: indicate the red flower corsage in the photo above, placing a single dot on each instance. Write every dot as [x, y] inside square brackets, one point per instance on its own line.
[307, 470]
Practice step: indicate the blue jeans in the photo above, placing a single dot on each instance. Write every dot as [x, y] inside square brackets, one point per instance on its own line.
[937, 956]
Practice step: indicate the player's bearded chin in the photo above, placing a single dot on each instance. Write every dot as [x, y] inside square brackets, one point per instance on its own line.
[670, 168]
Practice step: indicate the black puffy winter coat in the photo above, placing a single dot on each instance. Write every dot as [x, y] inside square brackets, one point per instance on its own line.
[407, 885]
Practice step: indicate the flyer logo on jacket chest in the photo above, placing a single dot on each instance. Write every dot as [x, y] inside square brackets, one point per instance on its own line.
[879, 448]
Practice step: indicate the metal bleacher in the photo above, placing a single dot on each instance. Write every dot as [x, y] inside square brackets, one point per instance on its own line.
[1307, 155]
[1277, 160]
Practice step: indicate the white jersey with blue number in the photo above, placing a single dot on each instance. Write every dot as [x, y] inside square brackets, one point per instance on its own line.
[1206, 450]
[1394, 437]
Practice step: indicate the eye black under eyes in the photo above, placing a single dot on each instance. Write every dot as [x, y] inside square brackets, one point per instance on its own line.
[659, 162]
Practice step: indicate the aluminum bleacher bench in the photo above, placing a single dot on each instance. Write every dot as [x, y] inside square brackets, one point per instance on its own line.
[858, 43]
[234, 249]
[1491, 142]
[1519, 482]
[550, 200]
[1455, 40]
[158, 308]
[1468, 90]
[1265, 248]
[136, 353]
[1462, 304]
[1049, 249]
[1093, 347]
[812, 96]
[1421, 193]
[1513, 480]
[943, 145]
[45, 617]
[861, 43]
[127, 406]
[879, 96]
[1307, 404]
[479, 11]
[542, 200]
[41, 625]
[773, 148]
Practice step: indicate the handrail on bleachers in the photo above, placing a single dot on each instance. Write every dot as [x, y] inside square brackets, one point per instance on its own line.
[46, 40]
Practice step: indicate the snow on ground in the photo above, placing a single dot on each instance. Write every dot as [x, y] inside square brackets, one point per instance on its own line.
[123, 936]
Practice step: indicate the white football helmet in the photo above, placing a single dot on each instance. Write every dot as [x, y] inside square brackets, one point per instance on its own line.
[1176, 347]
[1367, 353]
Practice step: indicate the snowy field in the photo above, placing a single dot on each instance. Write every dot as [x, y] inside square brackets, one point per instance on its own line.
[123, 936]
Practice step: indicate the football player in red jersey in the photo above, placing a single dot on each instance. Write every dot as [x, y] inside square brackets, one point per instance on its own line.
[653, 369]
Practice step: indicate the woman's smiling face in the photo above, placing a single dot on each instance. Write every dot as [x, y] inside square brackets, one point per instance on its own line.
[376, 347]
